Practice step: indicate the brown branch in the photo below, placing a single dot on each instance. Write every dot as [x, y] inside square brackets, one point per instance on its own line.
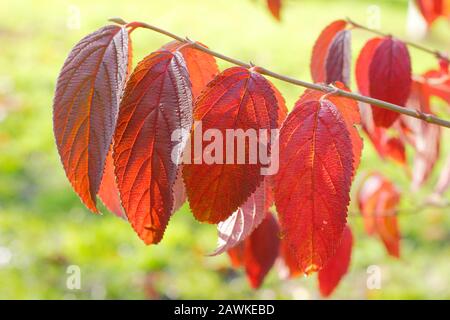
[319, 87]
[438, 54]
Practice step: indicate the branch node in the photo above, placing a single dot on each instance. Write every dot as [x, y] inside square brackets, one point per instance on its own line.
[332, 90]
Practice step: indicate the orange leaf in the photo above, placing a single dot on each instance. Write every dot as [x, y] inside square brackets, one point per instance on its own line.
[378, 199]
[157, 101]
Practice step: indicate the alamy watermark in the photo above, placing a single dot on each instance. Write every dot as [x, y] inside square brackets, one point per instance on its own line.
[73, 281]
[227, 146]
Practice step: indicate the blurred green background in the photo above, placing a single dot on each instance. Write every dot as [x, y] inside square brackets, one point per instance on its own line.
[44, 228]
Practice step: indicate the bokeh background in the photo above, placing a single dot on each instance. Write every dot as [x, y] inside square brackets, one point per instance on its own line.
[44, 228]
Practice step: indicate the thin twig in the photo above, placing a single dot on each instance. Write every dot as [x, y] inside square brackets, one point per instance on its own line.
[435, 53]
[319, 87]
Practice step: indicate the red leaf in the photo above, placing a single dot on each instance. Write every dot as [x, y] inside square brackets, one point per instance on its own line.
[261, 251]
[202, 67]
[330, 276]
[236, 99]
[109, 193]
[378, 199]
[389, 78]
[313, 184]
[350, 112]
[330, 56]
[245, 219]
[157, 101]
[85, 107]
[275, 8]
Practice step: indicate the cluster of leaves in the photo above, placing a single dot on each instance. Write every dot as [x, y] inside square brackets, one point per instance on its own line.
[113, 126]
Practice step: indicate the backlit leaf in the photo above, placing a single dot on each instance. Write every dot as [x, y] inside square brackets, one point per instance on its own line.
[157, 101]
[313, 184]
[216, 183]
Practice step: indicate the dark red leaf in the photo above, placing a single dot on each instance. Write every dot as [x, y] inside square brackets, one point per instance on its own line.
[85, 107]
[330, 276]
[389, 78]
[313, 184]
[261, 251]
[157, 101]
[236, 99]
[331, 54]
[339, 58]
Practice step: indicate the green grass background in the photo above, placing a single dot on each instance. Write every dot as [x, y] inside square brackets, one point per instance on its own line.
[44, 228]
